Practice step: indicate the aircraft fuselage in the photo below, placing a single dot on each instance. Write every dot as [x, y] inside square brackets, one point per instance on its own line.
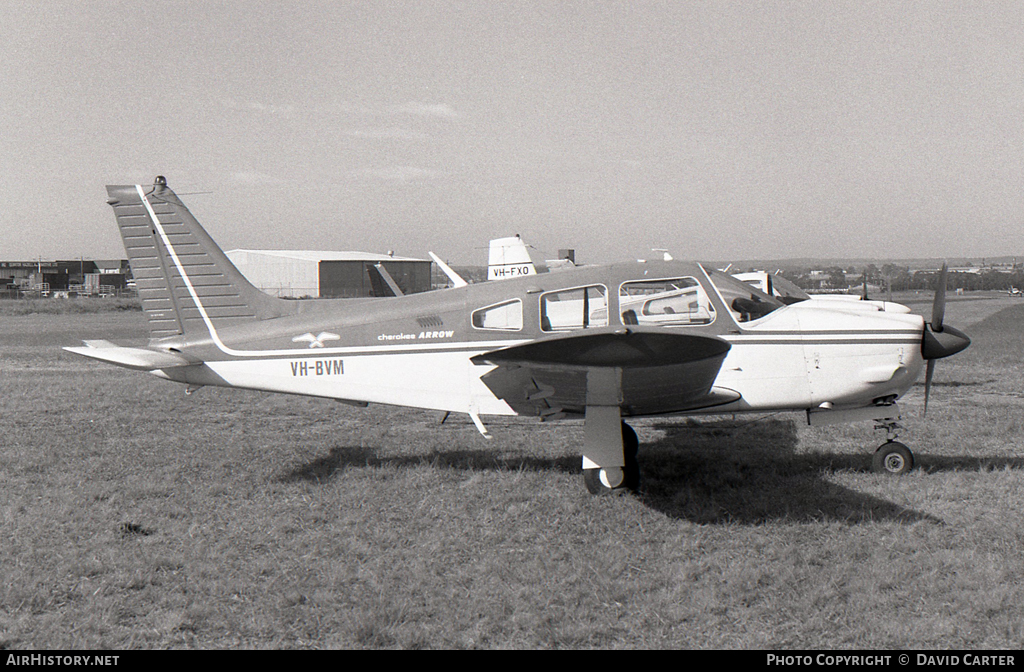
[416, 350]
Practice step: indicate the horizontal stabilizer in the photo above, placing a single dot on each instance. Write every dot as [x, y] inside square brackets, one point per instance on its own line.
[142, 359]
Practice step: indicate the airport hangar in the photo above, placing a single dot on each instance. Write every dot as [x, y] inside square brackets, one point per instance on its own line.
[81, 276]
[324, 274]
[285, 273]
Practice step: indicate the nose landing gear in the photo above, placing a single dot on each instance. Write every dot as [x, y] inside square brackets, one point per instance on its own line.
[892, 457]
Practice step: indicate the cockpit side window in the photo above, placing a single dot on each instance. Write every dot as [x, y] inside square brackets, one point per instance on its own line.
[505, 316]
[577, 308]
[670, 302]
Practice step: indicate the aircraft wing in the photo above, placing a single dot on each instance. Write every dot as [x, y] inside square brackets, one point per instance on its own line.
[651, 371]
[142, 359]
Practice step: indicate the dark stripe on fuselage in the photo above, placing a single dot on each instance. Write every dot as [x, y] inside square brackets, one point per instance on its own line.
[817, 341]
[916, 333]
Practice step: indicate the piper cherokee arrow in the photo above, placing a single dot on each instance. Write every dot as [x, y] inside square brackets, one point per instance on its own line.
[602, 343]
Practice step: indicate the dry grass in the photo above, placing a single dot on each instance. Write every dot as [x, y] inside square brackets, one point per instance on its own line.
[137, 517]
[75, 306]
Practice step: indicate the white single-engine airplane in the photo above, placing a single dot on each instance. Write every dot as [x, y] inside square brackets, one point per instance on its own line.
[598, 342]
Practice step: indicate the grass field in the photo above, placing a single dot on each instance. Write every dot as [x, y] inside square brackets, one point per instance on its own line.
[134, 516]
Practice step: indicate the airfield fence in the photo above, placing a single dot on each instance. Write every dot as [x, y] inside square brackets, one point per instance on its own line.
[15, 293]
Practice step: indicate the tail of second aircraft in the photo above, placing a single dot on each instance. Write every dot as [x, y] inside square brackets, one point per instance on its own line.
[187, 284]
[509, 258]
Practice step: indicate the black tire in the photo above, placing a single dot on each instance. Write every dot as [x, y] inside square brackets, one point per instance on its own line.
[630, 449]
[630, 443]
[894, 458]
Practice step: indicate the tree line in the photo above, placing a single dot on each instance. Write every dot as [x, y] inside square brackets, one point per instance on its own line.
[900, 278]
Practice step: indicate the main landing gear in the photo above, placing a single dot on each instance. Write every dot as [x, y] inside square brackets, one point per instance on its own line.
[607, 480]
[892, 457]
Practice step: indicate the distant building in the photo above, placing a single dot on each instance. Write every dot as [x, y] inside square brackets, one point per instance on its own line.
[28, 275]
[83, 276]
[314, 273]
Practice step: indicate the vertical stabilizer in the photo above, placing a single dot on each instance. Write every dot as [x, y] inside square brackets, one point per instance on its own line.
[187, 285]
[509, 258]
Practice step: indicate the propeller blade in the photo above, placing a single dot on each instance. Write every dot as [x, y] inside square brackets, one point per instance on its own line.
[864, 294]
[929, 372]
[938, 341]
[939, 304]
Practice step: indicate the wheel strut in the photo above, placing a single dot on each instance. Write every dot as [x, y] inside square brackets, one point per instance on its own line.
[891, 427]
[611, 479]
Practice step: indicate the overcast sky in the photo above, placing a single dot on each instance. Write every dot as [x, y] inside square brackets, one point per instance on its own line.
[717, 130]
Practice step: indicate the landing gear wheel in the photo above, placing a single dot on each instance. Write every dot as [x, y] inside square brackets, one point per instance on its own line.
[892, 457]
[617, 479]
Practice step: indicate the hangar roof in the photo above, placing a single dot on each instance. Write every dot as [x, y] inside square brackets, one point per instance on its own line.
[325, 255]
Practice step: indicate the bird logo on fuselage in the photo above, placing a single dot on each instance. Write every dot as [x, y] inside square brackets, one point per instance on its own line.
[318, 340]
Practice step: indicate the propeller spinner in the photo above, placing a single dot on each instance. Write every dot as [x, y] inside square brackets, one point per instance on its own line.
[939, 340]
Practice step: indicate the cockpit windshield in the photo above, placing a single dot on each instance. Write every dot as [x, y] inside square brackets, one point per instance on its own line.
[745, 302]
[787, 292]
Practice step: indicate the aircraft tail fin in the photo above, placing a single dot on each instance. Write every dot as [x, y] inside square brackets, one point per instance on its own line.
[453, 277]
[187, 284]
[509, 258]
[382, 282]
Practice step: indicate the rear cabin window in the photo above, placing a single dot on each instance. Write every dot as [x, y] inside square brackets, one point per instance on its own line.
[505, 316]
[577, 308]
[671, 302]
